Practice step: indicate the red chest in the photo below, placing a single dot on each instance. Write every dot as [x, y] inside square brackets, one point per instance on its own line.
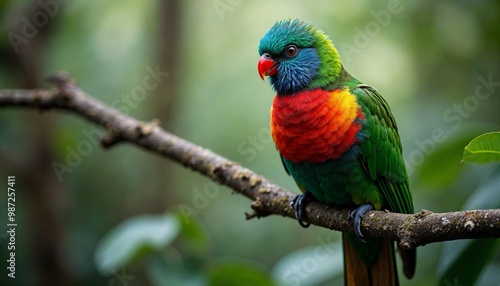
[315, 126]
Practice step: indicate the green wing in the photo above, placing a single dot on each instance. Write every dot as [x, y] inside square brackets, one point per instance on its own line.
[381, 151]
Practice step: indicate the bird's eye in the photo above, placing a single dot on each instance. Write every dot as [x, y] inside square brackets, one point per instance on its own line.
[291, 50]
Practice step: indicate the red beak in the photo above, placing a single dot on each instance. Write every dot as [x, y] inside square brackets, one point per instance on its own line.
[266, 66]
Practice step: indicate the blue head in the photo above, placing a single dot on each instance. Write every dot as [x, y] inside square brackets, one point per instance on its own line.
[296, 56]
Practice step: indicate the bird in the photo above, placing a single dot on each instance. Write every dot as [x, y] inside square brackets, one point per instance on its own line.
[338, 140]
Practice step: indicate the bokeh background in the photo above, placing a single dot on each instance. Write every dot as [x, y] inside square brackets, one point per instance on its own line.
[432, 62]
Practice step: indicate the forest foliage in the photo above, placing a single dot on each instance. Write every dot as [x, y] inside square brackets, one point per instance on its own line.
[122, 215]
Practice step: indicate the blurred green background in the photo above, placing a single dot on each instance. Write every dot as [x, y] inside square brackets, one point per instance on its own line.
[95, 222]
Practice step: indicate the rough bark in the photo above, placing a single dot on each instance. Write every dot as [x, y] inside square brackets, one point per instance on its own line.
[268, 198]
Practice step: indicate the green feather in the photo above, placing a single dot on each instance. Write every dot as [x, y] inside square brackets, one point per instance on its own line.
[381, 152]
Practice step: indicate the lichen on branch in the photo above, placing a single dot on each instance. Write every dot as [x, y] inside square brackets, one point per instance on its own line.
[408, 230]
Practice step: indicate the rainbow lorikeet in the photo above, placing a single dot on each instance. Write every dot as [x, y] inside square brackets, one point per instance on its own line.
[339, 141]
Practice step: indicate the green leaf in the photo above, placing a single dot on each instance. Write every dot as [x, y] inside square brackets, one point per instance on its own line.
[171, 268]
[490, 275]
[310, 266]
[465, 269]
[133, 238]
[195, 234]
[233, 272]
[463, 260]
[483, 149]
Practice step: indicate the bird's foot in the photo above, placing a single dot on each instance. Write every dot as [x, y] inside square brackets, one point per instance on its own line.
[299, 205]
[356, 215]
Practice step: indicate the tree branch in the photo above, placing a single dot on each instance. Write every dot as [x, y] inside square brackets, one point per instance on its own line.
[409, 230]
